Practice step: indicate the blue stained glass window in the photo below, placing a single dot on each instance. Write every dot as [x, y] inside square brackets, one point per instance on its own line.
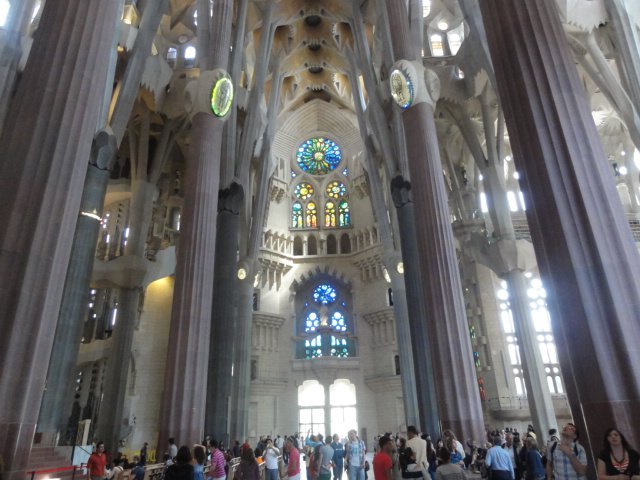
[345, 172]
[344, 214]
[296, 215]
[338, 322]
[311, 323]
[324, 294]
[319, 156]
[293, 174]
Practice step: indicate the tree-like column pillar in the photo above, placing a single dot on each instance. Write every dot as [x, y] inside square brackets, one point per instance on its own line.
[42, 167]
[585, 250]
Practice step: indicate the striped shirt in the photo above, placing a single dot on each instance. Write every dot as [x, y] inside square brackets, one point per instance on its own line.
[217, 464]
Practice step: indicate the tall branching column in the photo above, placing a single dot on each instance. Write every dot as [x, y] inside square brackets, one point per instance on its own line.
[74, 306]
[458, 393]
[185, 388]
[585, 250]
[42, 168]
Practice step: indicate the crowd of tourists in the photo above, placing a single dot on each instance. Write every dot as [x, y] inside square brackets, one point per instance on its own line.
[506, 455]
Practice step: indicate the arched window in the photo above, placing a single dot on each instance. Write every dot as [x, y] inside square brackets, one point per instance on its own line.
[312, 245]
[172, 56]
[296, 215]
[345, 243]
[344, 214]
[190, 57]
[332, 245]
[297, 245]
[437, 48]
[5, 6]
[323, 310]
[312, 215]
[330, 214]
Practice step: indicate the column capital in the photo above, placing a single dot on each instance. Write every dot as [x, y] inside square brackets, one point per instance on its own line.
[230, 199]
[411, 83]
[211, 93]
[103, 149]
[401, 191]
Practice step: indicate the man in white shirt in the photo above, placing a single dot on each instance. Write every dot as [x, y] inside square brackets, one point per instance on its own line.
[270, 457]
[418, 445]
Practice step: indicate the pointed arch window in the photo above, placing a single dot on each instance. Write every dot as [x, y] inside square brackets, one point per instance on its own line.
[296, 215]
[312, 215]
[344, 214]
[330, 214]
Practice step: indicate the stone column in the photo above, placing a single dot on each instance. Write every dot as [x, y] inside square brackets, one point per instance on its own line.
[458, 393]
[585, 250]
[74, 302]
[73, 313]
[242, 356]
[418, 326]
[16, 27]
[225, 290]
[412, 404]
[184, 397]
[43, 164]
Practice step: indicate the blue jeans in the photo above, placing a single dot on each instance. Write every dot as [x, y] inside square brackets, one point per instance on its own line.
[356, 473]
[272, 473]
[337, 471]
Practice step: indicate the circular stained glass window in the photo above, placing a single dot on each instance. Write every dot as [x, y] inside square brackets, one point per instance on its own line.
[324, 294]
[338, 322]
[336, 190]
[303, 191]
[319, 156]
[312, 322]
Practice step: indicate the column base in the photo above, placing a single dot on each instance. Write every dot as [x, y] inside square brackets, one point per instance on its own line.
[15, 446]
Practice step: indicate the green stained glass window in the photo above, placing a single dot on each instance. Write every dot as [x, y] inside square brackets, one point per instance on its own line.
[330, 214]
[303, 191]
[344, 215]
[336, 190]
[319, 156]
[296, 215]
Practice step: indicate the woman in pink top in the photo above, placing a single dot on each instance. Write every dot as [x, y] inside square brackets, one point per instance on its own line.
[217, 462]
[293, 467]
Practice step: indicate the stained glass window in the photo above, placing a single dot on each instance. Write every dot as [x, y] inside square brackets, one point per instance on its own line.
[330, 214]
[339, 347]
[312, 215]
[338, 322]
[324, 294]
[303, 191]
[336, 190]
[296, 215]
[345, 172]
[293, 174]
[345, 216]
[319, 156]
[313, 347]
[311, 323]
